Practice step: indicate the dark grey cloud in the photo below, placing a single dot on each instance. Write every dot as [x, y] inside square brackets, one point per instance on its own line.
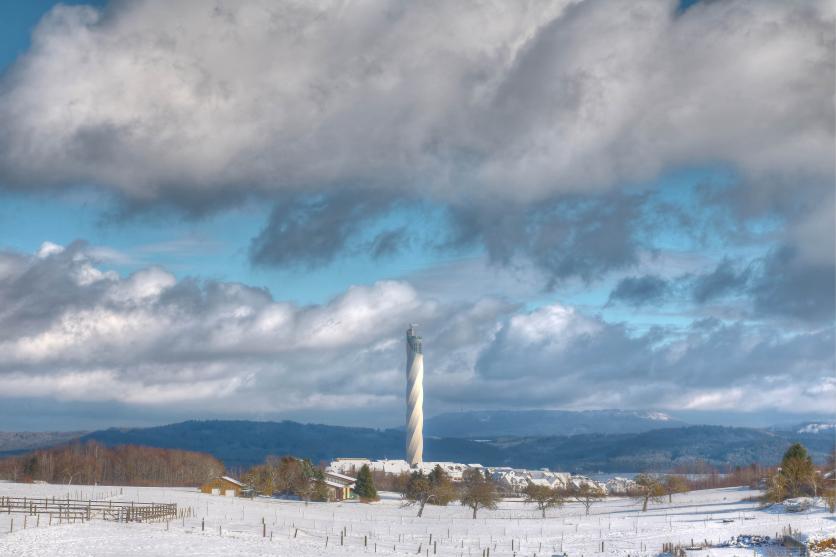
[782, 284]
[312, 231]
[565, 237]
[724, 280]
[637, 291]
[789, 286]
[389, 242]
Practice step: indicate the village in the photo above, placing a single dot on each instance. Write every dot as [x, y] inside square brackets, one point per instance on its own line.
[339, 479]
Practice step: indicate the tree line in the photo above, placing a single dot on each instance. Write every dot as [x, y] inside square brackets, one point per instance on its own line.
[92, 463]
[287, 475]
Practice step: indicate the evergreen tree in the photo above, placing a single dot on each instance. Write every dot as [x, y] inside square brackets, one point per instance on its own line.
[798, 475]
[437, 475]
[796, 450]
[364, 486]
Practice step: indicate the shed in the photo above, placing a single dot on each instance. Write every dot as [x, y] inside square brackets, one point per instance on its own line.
[224, 485]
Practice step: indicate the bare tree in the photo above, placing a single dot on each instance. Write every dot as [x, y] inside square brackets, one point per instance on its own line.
[587, 494]
[829, 481]
[776, 489]
[478, 491]
[798, 475]
[543, 496]
[436, 489]
[675, 484]
[649, 489]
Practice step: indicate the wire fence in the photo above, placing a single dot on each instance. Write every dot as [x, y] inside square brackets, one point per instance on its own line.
[71, 510]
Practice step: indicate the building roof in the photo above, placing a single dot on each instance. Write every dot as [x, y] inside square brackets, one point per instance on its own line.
[233, 480]
[333, 484]
[340, 476]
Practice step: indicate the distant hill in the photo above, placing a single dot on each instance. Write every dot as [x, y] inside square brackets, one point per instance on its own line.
[544, 423]
[811, 428]
[662, 449]
[27, 440]
[243, 443]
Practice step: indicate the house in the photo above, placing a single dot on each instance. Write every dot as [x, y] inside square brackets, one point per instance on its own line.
[229, 487]
[453, 470]
[335, 491]
[515, 480]
[339, 486]
[620, 486]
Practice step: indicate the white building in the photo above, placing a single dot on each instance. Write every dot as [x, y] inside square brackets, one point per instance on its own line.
[513, 480]
[454, 470]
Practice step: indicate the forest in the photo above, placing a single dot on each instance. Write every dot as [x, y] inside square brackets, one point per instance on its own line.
[91, 463]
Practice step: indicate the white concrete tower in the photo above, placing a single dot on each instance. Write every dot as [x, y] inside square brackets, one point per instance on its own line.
[414, 398]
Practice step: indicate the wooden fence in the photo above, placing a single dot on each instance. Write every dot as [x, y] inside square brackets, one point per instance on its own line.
[75, 509]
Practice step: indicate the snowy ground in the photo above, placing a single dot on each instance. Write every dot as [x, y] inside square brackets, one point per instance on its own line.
[234, 527]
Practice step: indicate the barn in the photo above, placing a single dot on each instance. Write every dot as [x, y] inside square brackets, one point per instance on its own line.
[224, 485]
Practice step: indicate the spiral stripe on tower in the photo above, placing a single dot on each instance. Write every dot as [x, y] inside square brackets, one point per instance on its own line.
[414, 398]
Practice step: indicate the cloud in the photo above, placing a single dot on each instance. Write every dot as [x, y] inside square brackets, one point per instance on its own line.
[71, 331]
[566, 237]
[722, 281]
[389, 242]
[555, 356]
[313, 231]
[74, 333]
[334, 112]
[781, 284]
[638, 291]
[791, 286]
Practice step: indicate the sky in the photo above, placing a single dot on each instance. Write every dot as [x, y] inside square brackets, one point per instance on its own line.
[235, 209]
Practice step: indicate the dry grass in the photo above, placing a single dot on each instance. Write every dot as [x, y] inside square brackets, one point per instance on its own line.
[820, 546]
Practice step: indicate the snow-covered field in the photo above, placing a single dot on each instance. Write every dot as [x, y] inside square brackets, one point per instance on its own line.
[234, 526]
